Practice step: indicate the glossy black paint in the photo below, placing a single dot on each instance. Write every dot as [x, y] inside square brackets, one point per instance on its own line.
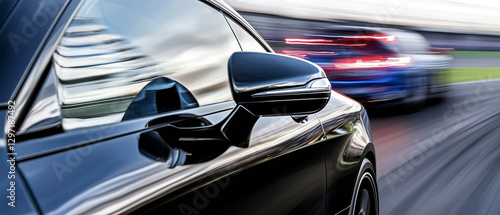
[269, 84]
[5, 9]
[348, 141]
[253, 72]
[21, 37]
[102, 164]
[289, 165]
[288, 184]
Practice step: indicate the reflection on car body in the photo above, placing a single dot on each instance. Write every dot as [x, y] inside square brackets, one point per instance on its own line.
[176, 107]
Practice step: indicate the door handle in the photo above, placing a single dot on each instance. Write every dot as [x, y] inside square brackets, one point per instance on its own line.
[193, 141]
[153, 146]
[300, 118]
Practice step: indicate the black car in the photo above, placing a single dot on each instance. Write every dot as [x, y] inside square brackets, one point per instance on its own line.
[170, 107]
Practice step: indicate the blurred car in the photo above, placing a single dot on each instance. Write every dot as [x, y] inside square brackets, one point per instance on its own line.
[376, 66]
[170, 107]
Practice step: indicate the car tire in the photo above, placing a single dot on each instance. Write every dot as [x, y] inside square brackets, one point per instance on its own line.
[417, 97]
[437, 93]
[365, 197]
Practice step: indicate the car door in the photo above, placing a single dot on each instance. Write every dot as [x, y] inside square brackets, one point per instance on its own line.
[119, 122]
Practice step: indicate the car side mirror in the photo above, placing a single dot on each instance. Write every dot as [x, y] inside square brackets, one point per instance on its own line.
[261, 84]
[273, 84]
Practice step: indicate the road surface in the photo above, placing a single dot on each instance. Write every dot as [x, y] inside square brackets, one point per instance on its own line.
[444, 159]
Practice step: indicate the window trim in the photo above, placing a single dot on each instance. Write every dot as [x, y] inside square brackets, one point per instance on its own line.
[232, 30]
[240, 20]
[31, 148]
[248, 32]
[34, 77]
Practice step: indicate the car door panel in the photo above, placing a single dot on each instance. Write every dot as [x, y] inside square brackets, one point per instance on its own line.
[38, 147]
[288, 184]
[113, 176]
[348, 142]
[281, 172]
[101, 166]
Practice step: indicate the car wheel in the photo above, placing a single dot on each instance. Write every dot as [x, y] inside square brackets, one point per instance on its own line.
[365, 201]
[416, 98]
[437, 92]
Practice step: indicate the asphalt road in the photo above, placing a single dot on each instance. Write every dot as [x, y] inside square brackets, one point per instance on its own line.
[444, 159]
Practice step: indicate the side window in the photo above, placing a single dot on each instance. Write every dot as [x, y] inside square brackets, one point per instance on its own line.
[247, 41]
[125, 59]
[411, 43]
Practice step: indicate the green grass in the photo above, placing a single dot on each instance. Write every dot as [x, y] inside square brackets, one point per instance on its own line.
[471, 74]
[476, 53]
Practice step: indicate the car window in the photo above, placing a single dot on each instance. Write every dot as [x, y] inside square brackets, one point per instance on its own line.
[411, 43]
[125, 59]
[247, 41]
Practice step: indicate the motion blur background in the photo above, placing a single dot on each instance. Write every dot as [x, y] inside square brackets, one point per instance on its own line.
[444, 157]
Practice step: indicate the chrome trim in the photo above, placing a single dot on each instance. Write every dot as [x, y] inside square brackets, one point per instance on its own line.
[223, 6]
[317, 85]
[23, 95]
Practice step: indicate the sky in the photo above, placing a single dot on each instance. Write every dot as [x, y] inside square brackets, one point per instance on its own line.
[461, 15]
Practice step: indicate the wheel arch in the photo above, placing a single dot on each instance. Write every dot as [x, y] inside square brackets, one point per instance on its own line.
[369, 153]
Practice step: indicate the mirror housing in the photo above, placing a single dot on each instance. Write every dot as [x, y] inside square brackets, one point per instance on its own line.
[273, 84]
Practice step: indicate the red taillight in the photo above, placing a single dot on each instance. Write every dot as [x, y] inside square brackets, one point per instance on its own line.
[303, 54]
[385, 38]
[371, 62]
[309, 41]
[340, 40]
[322, 42]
